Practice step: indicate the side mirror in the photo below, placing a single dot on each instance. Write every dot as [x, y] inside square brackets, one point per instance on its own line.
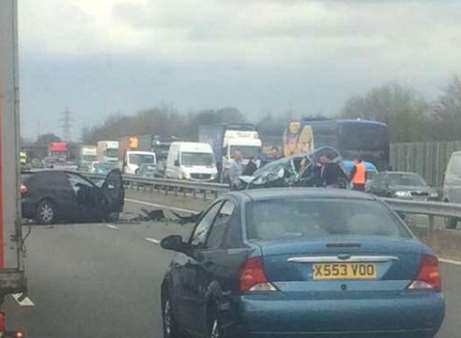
[173, 243]
[176, 163]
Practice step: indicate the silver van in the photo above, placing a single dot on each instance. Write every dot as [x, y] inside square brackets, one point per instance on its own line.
[452, 185]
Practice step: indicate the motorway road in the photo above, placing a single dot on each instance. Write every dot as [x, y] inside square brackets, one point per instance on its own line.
[100, 280]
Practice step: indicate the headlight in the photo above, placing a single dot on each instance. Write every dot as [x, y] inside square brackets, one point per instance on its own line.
[434, 194]
[402, 194]
[186, 175]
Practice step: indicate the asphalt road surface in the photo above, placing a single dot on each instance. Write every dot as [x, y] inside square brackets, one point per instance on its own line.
[103, 280]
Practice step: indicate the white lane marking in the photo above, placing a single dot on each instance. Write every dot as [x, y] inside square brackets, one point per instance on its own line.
[152, 240]
[113, 227]
[450, 261]
[162, 206]
[25, 302]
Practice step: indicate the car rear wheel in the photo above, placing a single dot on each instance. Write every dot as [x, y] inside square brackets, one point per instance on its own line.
[451, 222]
[170, 328]
[45, 212]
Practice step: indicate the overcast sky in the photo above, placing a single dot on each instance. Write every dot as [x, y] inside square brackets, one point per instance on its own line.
[97, 57]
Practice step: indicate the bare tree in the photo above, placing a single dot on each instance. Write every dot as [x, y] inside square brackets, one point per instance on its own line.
[402, 108]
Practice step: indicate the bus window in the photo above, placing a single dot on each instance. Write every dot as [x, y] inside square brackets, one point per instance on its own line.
[362, 136]
[325, 134]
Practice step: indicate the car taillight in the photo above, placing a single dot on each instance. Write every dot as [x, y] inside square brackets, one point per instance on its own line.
[429, 274]
[2, 321]
[253, 277]
[23, 189]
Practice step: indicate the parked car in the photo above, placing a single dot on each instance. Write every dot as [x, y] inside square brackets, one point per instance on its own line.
[148, 171]
[452, 185]
[49, 196]
[59, 164]
[403, 185]
[301, 263]
[103, 168]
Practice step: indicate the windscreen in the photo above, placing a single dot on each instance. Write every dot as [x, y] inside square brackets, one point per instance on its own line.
[141, 159]
[197, 159]
[246, 151]
[111, 152]
[274, 166]
[275, 219]
[89, 158]
[406, 180]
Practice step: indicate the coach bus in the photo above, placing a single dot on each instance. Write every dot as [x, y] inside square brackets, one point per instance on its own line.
[352, 138]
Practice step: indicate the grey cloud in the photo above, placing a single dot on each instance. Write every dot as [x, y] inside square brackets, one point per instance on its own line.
[393, 20]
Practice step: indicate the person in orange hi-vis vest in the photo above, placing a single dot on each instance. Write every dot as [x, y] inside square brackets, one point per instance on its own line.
[359, 175]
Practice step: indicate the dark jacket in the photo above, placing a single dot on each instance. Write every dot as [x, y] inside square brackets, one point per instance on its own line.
[250, 168]
[333, 175]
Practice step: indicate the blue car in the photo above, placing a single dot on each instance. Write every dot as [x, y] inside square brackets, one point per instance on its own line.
[301, 262]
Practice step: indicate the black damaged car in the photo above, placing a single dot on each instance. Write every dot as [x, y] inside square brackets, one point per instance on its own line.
[295, 171]
[49, 196]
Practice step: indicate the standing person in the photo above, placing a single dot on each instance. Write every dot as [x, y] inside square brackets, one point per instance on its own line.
[235, 170]
[359, 175]
[275, 154]
[251, 167]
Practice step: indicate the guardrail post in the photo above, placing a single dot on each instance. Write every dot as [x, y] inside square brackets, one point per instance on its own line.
[204, 194]
[430, 229]
[194, 193]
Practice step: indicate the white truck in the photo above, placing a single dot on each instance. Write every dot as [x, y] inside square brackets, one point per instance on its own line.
[227, 138]
[133, 154]
[191, 161]
[107, 151]
[87, 157]
[12, 277]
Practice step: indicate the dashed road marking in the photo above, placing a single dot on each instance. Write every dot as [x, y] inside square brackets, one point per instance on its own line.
[113, 227]
[162, 206]
[22, 302]
[450, 261]
[152, 240]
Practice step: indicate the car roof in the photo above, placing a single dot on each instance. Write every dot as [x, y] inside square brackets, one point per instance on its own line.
[140, 152]
[280, 193]
[48, 170]
[192, 146]
[399, 173]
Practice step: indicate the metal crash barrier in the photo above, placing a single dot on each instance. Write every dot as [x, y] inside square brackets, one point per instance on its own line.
[193, 189]
[205, 190]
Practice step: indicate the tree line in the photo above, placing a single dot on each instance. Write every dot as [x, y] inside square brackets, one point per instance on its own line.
[410, 116]
[162, 121]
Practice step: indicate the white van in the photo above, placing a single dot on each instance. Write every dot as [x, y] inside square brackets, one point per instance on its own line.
[191, 161]
[135, 159]
[452, 185]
